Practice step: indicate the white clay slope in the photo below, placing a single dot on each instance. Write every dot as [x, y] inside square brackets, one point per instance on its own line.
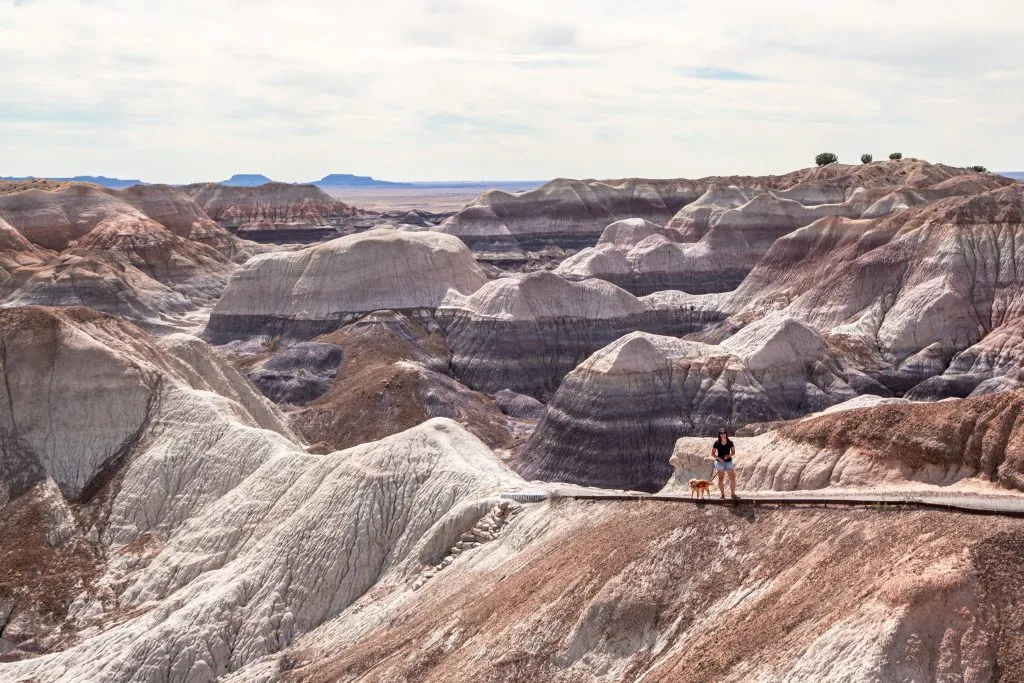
[224, 540]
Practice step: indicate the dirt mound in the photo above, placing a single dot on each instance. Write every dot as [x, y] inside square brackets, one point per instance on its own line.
[984, 434]
[393, 377]
[706, 595]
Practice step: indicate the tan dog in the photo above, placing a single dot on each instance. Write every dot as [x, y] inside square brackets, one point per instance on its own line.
[701, 487]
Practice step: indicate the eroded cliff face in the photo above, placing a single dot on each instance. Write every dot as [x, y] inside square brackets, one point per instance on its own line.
[525, 333]
[118, 497]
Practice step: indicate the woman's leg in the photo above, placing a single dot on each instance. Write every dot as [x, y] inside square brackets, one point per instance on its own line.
[732, 483]
[721, 482]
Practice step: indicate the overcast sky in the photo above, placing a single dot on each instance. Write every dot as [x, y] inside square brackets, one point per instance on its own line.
[188, 90]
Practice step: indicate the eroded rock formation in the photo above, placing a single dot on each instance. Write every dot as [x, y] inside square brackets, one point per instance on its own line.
[272, 211]
[526, 332]
[712, 244]
[565, 213]
[906, 294]
[395, 375]
[572, 213]
[182, 444]
[315, 290]
[615, 418]
[83, 245]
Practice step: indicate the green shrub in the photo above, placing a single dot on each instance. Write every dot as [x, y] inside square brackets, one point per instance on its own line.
[825, 158]
[866, 158]
[977, 169]
[895, 156]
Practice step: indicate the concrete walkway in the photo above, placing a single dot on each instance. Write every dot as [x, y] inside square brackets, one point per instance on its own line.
[968, 503]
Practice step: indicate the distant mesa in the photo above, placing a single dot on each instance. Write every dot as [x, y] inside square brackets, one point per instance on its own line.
[349, 180]
[1016, 175]
[330, 180]
[247, 180]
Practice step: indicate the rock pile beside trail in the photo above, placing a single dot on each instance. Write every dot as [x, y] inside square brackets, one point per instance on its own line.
[486, 529]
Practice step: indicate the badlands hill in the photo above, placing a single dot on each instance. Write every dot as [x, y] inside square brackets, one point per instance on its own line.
[146, 253]
[931, 291]
[569, 213]
[711, 244]
[120, 493]
[378, 376]
[102, 181]
[271, 210]
[304, 293]
[526, 332]
[179, 531]
[615, 417]
[573, 213]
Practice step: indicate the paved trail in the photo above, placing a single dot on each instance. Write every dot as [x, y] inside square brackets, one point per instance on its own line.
[1009, 505]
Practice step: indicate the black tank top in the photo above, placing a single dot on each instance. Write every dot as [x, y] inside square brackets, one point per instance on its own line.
[724, 449]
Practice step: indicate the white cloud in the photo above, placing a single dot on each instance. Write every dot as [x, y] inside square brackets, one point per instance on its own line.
[447, 89]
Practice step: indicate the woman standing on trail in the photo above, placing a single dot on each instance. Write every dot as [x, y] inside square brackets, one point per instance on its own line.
[722, 452]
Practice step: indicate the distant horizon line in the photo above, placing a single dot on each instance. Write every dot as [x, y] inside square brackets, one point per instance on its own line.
[376, 182]
[272, 180]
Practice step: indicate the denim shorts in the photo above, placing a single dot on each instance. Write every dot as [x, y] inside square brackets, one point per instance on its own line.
[724, 466]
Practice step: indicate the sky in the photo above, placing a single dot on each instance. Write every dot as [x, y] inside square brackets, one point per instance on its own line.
[183, 91]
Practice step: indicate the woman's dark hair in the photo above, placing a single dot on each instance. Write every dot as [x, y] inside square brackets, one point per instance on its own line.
[725, 431]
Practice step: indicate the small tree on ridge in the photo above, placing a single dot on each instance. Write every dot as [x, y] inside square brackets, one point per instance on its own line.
[825, 158]
[866, 158]
[895, 156]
